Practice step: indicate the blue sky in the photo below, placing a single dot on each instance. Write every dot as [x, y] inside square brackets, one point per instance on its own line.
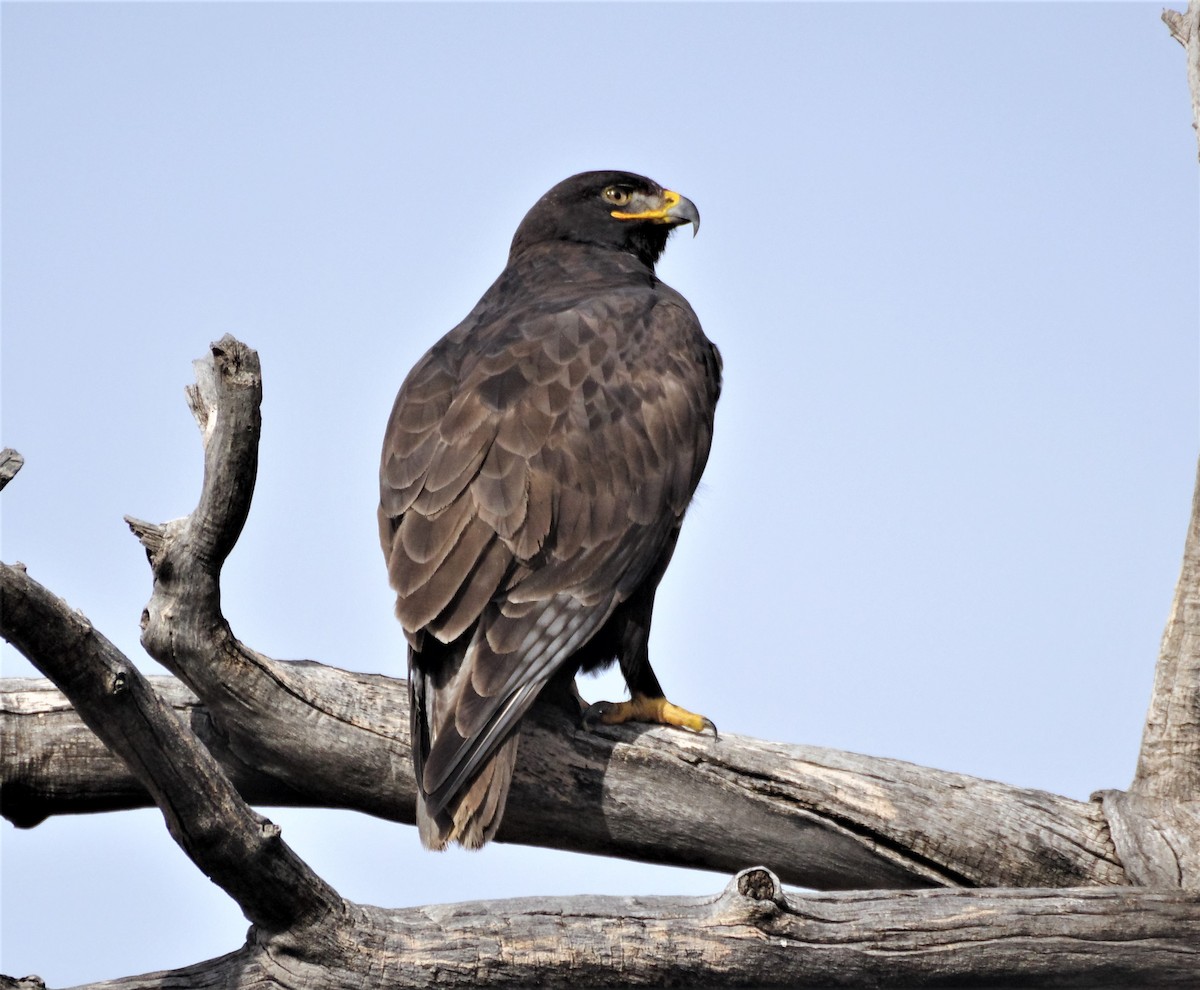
[949, 253]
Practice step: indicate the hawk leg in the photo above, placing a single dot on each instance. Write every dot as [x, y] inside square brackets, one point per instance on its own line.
[646, 708]
[628, 634]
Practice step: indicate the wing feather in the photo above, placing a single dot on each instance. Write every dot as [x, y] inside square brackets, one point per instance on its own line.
[419, 607]
[528, 541]
[428, 539]
[473, 596]
[500, 490]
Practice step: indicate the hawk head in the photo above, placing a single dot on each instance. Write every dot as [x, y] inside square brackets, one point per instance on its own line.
[617, 210]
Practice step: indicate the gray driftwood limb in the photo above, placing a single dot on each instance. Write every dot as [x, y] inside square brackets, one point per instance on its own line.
[817, 817]
[1155, 825]
[1169, 762]
[753, 930]
[10, 463]
[1185, 28]
[865, 817]
[751, 933]
[238, 849]
[305, 733]
[835, 821]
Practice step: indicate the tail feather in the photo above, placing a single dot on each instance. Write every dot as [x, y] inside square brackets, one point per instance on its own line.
[473, 815]
[469, 810]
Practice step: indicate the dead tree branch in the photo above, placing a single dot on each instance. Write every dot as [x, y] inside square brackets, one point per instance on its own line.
[307, 733]
[10, 463]
[1185, 28]
[1037, 937]
[1156, 823]
[817, 817]
[238, 849]
[311, 732]
[1169, 762]
[752, 933]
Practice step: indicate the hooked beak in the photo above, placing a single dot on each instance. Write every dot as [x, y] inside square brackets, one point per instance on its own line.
[670, 208]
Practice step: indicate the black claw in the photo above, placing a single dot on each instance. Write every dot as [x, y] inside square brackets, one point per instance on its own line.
[594, 712]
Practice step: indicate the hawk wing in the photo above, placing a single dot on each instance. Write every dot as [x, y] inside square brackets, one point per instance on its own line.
[536, 467]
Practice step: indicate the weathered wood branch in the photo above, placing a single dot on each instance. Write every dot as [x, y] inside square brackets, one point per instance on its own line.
[238, 849]
[751, 934]
[10, 463]
[1155, 825]
[1169, 761]
[302, 733]
[186, 555]
[753, 931]
[818, 817]
[1185, 28]
[51, 763]
[307, 732]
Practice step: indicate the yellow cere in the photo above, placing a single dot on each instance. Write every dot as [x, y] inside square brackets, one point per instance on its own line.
[670, 199]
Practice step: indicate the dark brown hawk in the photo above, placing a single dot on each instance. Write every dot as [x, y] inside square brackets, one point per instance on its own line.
[536, 469]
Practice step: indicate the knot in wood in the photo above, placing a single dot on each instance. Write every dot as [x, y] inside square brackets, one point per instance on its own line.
[759, 884]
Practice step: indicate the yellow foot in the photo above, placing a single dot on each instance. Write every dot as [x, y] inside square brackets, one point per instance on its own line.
[641, 708]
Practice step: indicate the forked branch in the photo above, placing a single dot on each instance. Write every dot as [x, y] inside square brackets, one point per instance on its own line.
[304, 732]
[238, 849]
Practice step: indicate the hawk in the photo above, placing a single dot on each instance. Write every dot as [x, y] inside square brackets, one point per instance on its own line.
[536, 469]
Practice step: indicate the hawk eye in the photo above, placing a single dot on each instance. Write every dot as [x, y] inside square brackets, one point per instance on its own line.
[617, 196]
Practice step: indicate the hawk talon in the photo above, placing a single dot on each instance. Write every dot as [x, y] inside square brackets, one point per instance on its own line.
[641, 708]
